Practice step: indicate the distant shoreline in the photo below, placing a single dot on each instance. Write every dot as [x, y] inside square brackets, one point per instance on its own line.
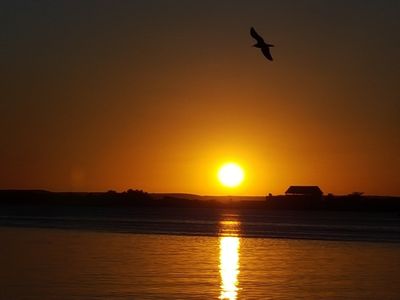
[139, 198]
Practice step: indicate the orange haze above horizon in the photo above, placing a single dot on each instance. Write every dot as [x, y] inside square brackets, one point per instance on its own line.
[158, 96]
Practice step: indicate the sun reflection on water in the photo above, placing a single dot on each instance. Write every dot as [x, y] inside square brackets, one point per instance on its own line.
[229, 244]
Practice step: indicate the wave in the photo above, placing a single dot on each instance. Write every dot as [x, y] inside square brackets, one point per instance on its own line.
[287, 225]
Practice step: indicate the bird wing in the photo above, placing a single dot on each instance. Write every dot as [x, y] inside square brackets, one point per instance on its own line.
[255, 35]
[267, 53]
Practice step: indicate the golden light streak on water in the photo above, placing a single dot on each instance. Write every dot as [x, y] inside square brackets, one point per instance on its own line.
[229, 259]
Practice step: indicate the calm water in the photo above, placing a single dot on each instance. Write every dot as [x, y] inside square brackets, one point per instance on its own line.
[84, 264]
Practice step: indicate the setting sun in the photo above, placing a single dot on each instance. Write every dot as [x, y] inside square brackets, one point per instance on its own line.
[231, 175]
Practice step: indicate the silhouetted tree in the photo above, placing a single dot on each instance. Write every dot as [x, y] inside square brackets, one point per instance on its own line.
[137, 195]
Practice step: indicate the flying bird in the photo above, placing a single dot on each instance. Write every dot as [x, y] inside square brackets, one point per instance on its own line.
[261, 44]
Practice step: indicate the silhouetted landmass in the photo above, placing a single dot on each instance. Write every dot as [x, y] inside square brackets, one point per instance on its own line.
[138, 198]
[353, 202]
[110, 198]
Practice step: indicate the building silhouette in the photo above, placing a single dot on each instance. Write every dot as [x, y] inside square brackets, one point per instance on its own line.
[303, 190]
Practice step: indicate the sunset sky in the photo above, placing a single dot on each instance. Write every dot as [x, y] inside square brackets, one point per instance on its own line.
[157, 95]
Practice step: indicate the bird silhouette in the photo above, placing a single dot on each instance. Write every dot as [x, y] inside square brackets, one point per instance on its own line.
[261, 44]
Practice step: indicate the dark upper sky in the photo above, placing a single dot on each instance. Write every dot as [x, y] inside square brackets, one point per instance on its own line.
[100, 95]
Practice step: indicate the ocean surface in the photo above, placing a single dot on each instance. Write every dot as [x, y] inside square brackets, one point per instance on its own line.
[65, 253]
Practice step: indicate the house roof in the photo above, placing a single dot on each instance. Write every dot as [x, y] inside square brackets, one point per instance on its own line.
[304, 190]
